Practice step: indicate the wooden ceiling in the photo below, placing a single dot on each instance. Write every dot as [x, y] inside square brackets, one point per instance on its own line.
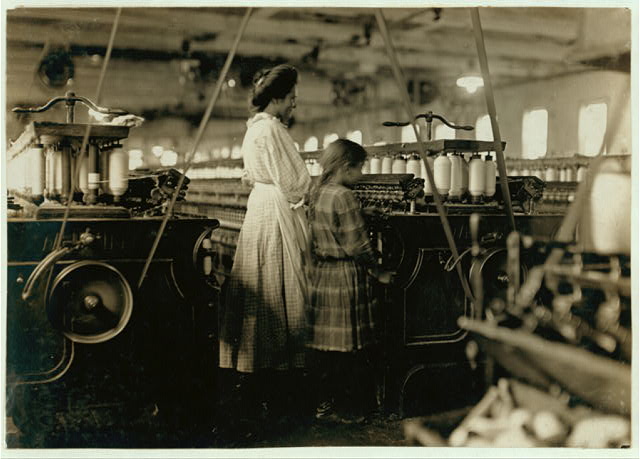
[165, 61]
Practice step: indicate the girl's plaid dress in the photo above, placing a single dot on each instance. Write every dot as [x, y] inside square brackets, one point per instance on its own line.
[342, 307]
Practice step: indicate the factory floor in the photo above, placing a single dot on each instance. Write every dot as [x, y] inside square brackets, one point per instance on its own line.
[202, 422]
[377, 431]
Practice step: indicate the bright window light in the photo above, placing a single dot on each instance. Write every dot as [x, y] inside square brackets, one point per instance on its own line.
[592, 125]
[470, 83]
[444, 132]
[169, 158]
[355, 136]
[328, 139]
[483, 128]
[311, 144]
[407, 134]
[534, 133]
[157, 150]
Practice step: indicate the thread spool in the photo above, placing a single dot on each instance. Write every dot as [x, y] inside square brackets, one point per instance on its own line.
[37, 161]
[465, 173]
[104, 170]
[49, 173]
[83, 175]
[562, 176]
[57, 171]
[413, 166]
[525, 172]
[490, 177]
[399, 165]
[539, 173]
[316, 169]
[455, 183]
[606, 225]
[366, 167]
[118, 172]
[442, 174]
[569, 174]
[375, 166]
[477, 176]
[550, 174]
[581, 175]
[423, 173]
[309, 164]
[385, 167]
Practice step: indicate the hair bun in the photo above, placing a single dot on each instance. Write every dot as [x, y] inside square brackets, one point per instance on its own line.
[260, 77]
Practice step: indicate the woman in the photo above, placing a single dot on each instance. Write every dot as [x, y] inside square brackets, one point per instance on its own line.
[263, 321]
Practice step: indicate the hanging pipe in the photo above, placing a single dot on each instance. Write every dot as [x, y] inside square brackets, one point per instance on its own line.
[189, 158]
[491, 108]
[401, 82]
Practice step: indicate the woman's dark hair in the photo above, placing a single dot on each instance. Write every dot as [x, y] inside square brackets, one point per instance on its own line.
[270, 84]
[340, 154]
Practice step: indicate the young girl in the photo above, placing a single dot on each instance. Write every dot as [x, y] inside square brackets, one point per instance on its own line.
[342, 310]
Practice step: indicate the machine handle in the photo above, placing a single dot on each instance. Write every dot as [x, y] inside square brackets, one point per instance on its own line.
[70, 99]
[429, 116]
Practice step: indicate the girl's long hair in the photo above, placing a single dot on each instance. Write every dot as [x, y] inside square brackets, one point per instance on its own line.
[340, 154]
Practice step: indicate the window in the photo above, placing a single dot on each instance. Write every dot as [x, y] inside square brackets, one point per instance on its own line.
[407, 134]
[311, 144]
[534, 133]
[328, 139]
[169, 158]
[592, 125]
[483, 128]
[355, 136]
[444, 132]
[135, 159]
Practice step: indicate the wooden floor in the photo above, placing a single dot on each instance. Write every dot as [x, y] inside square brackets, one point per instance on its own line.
[294, 432]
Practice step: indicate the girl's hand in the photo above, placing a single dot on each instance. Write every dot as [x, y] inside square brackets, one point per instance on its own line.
[371, 211]
[384, 277]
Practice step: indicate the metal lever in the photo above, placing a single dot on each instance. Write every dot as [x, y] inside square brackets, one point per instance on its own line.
[429, 118]
[474, 228]
[70, 100]
[85, 239]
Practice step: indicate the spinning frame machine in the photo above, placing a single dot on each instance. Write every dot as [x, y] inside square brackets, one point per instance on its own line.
[428, 312]
[110, 317]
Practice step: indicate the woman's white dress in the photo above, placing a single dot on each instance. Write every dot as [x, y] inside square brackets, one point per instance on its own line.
[262, 320]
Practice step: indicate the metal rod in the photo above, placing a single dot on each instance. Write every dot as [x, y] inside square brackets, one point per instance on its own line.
[203, 124]
[491, 108]
[401, 81]
[59, 237]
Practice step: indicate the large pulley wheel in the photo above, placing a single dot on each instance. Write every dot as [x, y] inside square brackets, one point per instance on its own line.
[493, 269]
[90, 302]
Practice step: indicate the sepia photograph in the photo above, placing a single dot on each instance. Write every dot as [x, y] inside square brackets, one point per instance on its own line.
[267, 229]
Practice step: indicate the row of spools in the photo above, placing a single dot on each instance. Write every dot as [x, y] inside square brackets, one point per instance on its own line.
[551, 173]
[46, 172]
[455, 174]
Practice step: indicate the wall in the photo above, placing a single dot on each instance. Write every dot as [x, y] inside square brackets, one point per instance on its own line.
[561, 96]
